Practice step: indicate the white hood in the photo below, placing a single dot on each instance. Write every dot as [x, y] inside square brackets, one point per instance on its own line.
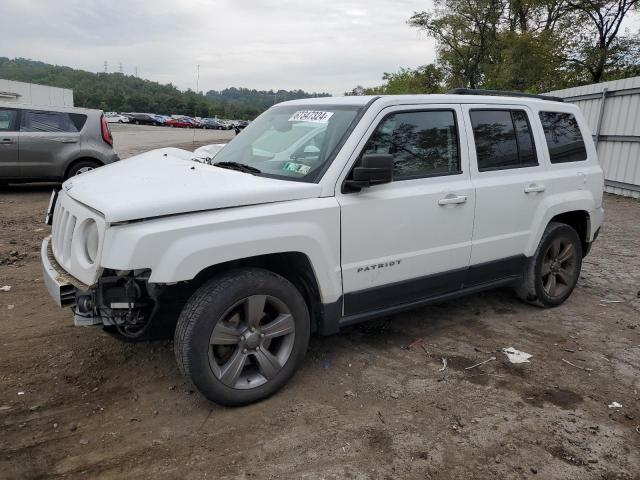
[166, 181]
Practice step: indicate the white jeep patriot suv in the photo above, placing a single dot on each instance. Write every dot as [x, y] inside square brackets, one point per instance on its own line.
[324, 213]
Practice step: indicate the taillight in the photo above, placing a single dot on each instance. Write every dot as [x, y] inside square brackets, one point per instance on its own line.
[106, 133]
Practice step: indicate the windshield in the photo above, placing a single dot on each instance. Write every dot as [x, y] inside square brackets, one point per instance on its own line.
[291, 142]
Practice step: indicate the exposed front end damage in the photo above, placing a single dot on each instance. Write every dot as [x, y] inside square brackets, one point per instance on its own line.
[124, 302]
[130, 307]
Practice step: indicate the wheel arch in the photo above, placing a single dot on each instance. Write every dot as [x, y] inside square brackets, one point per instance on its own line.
[580, 221]
[571, 208]
[75, 161]
[296, 267]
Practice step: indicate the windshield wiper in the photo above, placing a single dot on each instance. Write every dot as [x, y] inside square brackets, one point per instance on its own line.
[241, 167]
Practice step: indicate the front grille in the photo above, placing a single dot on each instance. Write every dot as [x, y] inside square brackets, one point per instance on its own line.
[62, 228]
[67, 241]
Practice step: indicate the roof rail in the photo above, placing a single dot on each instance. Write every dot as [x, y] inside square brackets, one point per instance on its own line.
[499, 93]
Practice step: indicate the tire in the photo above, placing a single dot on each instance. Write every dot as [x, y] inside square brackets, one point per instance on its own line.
[81, 167]
[553, 271]
[216, 348]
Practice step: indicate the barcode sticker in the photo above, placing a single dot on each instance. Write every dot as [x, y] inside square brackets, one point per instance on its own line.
[315, 116]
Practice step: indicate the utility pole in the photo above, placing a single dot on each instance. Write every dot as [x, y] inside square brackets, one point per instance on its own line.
[106, 66]
[120, 67]
[195, 106]
[135, 70]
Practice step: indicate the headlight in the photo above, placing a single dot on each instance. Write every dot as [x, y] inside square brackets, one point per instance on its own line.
[91, 240]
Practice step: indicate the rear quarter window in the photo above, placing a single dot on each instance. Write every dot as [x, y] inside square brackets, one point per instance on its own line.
[563, 136]
[55, 122]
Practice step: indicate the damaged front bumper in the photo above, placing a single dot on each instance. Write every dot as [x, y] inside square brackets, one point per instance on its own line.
[62, 288]
[58, 285]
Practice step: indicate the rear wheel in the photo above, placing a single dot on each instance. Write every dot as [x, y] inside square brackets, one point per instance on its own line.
[242, 336]
[83, 166]
[552, 273]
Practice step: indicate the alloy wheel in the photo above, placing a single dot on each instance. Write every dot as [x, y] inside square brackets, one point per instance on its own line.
[83, 170]
[251, 342]
[559, 267]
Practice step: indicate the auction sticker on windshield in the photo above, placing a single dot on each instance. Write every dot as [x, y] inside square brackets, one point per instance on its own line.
[316, 116]
[296, 168]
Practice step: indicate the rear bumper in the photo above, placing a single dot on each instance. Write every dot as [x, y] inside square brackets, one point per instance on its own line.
[111, 158]
[62, 292]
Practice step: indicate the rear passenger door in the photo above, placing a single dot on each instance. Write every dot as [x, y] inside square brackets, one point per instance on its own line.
[48, 141]
[511, 182]
[9, 143]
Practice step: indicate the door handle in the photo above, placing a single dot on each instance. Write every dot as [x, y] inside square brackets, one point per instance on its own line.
[6, 141]
[452, 199]
[68, 140]
[535, 188]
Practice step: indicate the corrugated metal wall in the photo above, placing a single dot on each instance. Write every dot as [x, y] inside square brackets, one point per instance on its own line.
[612, 109]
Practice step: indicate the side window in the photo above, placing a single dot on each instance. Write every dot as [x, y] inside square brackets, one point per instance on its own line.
[8, 119]
[564, 139]
[41, 121]
[78, 120]
[503, 139]
[423, 143]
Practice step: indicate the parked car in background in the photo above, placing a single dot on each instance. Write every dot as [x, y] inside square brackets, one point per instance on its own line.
[240, 125]
[226, 124]
[160, 120]
[51, 143]
[195, 123]
[143, 119]
[113, 117]
[324, 213]
[179, 123]
[212, 124]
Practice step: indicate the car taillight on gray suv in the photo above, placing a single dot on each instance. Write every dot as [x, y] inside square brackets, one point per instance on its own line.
[106, 133]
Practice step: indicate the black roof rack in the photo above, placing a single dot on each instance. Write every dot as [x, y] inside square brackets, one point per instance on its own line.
[499, 93]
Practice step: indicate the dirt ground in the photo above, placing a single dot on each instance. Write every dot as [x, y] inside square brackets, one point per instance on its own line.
[370, 403]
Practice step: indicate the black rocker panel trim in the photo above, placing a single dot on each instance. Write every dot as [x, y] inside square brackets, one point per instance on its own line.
[432, 286]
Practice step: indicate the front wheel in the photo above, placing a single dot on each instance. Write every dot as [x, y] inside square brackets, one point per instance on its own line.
[242, 336]
[552, 273]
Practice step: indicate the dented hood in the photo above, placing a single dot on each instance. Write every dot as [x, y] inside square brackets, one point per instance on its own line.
[166, 182]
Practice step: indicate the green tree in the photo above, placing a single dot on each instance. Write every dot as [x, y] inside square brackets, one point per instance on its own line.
[601, 49]
[466, 32]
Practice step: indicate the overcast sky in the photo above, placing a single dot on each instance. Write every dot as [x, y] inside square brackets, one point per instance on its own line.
[316, 45]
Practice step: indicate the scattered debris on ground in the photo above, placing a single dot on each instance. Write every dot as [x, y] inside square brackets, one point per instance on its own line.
[516, 356]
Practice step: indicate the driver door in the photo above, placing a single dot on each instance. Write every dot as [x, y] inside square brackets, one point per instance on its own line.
[409, 240]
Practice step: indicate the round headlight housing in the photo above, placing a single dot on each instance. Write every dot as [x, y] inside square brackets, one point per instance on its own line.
[91, 240]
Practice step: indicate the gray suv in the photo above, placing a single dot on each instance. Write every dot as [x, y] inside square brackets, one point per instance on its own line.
[51, 143]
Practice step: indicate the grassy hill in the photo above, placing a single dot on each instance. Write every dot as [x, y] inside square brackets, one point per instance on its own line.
[126, 93]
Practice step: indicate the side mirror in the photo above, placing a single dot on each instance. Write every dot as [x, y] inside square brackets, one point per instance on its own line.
[374, 169]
